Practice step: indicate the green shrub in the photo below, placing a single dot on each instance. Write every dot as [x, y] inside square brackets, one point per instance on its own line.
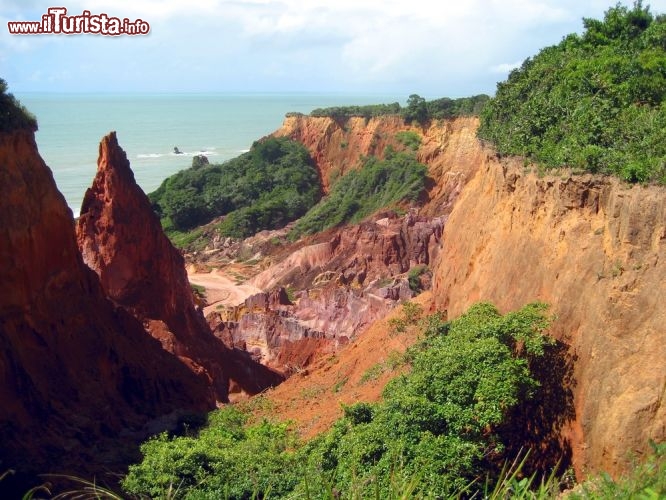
[412, 312]
[359, 193]
[265, 188]
[408, 138]
[435, 434]
[594, 102]
[372, 373]
[228, 459]
[198, 290]
[413, 277]
[438, 421]
[13, 115]
[358, 413]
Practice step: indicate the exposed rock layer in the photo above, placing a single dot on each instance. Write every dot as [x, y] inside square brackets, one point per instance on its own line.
[595, 250]
[337, 146]
[590, 246]
[121, 239]
[348, 279]
[76, 373]
[448, 147]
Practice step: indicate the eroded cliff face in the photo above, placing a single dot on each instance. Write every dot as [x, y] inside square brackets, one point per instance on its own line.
[337, 146]
[590, 246]
[347, 278]
[448, 147]
[344, 280]
[594, 249]
[121, 239]
[79, 378]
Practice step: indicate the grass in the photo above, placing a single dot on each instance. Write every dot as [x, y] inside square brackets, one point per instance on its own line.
[372, 373]
[87, 490]
[646, 481]
[395, 360]
[184, 239]
[399, 179]
[511, 483]
[337, 387]
[384, 282]
[260, 402]
[411, 314]
[311, 392]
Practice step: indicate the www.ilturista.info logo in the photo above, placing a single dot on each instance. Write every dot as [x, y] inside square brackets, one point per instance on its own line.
[57, 22]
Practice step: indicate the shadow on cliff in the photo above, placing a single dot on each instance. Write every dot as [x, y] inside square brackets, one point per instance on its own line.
[537, 424]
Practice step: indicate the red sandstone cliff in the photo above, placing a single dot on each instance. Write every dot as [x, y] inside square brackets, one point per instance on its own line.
[592, 247]
[79, 378]
[121, 239]
[448, 147]
[595, 249]
[337, 146]
[345, 280]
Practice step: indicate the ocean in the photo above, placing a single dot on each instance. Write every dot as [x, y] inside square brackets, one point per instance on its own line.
[150, 126]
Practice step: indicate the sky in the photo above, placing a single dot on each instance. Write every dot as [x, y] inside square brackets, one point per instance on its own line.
[399, 47]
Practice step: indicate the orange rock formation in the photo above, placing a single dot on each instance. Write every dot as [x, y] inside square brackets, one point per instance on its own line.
[590, 246]
[79, 378]
[121, 239]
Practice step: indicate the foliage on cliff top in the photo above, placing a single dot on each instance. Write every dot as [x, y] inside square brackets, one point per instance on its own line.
[377, 184]
[417, 109]
[436, 431]
[593, 102]
[13, 115]
[265, 188]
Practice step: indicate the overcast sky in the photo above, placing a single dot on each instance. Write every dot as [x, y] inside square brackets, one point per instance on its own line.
[398, 47]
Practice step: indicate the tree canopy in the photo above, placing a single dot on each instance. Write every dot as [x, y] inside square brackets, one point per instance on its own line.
[265, 188]
[13, 115]
[436, 434]
[593, 102]
[418, 109]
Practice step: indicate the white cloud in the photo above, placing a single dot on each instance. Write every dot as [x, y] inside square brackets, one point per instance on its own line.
[358, 44]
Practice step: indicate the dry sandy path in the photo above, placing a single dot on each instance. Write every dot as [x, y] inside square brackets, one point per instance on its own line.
[221, 290]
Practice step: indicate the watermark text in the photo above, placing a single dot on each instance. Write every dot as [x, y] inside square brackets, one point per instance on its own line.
[57, 22]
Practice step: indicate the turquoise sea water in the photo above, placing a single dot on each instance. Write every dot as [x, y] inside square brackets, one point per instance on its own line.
[149, 126]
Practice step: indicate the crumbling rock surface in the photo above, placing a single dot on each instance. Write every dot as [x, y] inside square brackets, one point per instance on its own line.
[346, 278]
[79, 377]
[121, 239]
[594, 249]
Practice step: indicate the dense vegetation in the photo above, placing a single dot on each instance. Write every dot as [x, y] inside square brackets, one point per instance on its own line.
[418, 109]
[265, 188]
[276, 181]
[367, 111]
[359, 193]
[13, 115]
[594, 102]
[435, 433]
[646, 481]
